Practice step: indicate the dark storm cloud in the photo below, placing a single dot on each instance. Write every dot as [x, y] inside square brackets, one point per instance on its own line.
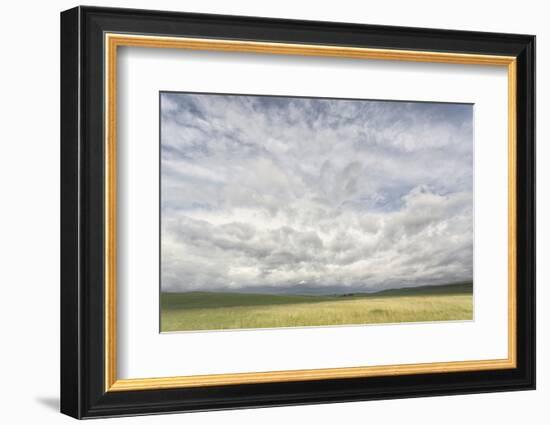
[273, 192]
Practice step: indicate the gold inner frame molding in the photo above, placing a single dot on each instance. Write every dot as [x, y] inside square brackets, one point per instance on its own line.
[113, 41]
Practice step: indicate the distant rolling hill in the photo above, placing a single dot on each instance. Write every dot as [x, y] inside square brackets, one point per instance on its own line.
[335, 290]
[451, 288]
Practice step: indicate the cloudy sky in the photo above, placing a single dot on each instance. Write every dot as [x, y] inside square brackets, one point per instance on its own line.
[279, 194]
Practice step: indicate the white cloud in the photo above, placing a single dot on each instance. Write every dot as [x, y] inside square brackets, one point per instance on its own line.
[270, 193]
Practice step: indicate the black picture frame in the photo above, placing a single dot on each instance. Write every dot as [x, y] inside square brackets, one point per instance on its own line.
[83, 392]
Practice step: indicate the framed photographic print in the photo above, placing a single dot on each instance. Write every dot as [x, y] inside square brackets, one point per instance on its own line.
[261, 212]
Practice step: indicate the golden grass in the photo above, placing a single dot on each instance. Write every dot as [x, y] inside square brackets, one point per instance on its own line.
[295, 311]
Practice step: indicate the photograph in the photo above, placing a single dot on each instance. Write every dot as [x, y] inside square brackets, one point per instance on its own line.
[285, 211]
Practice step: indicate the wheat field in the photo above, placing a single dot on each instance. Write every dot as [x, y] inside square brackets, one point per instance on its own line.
[216, 311]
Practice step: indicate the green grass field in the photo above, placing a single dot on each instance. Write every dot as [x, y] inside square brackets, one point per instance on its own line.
[210, 310]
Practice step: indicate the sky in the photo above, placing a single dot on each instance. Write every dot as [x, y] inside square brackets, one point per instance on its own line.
[309, 195]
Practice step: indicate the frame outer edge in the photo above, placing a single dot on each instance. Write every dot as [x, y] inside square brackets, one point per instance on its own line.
[70, 346]
[529, 56]
[533, 127]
